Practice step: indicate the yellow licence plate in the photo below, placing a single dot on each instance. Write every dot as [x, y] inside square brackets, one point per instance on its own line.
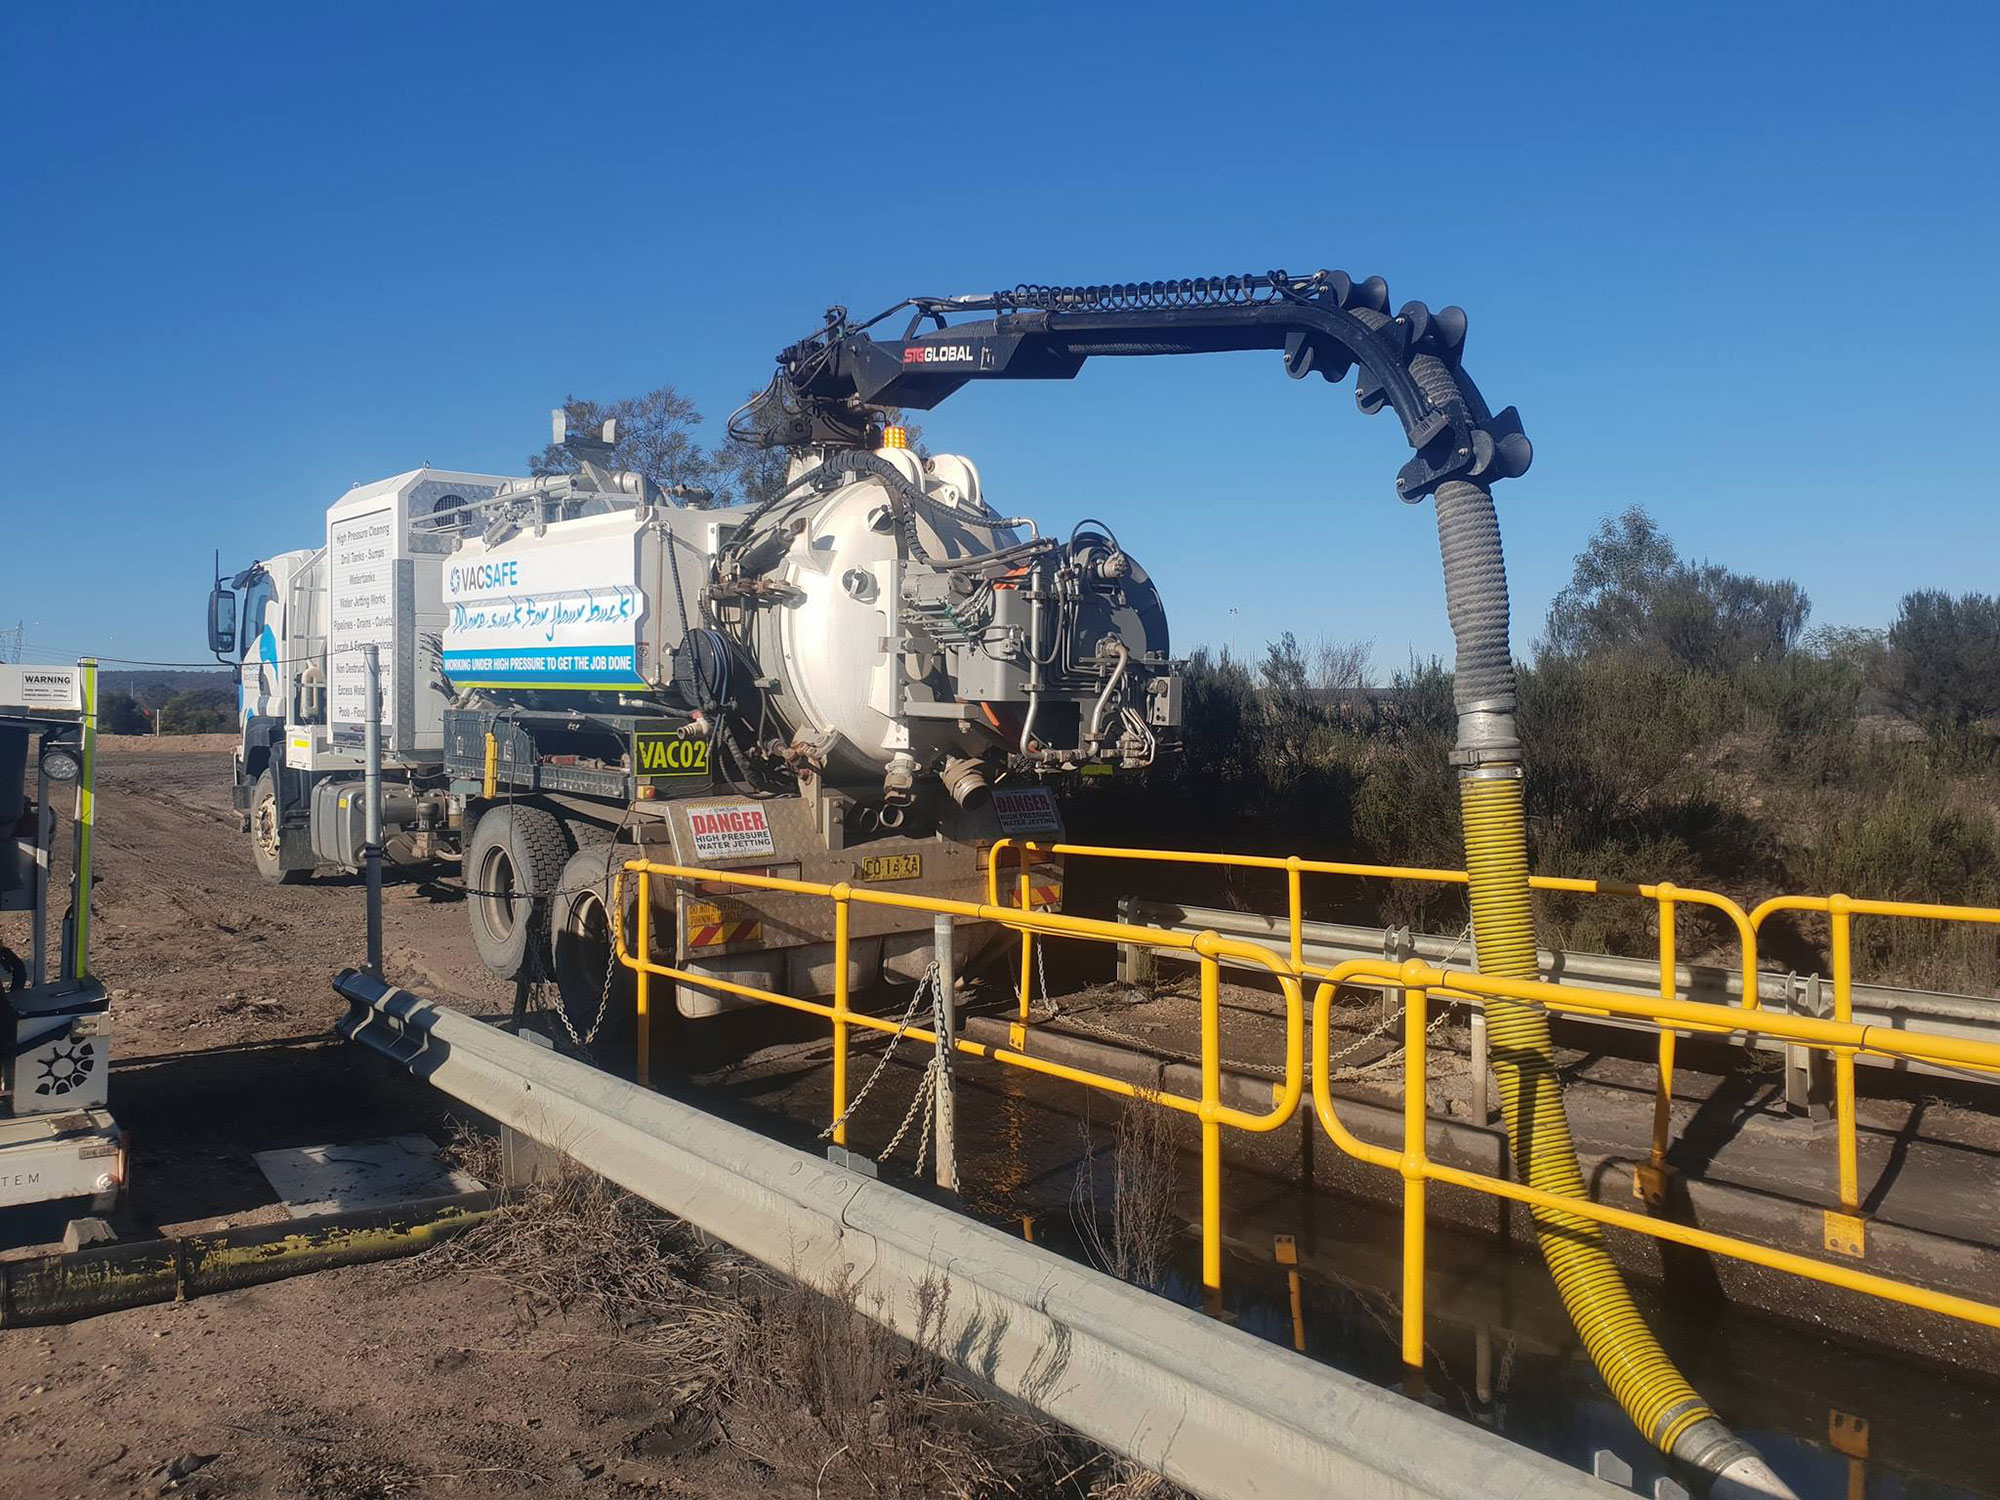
[892, 866]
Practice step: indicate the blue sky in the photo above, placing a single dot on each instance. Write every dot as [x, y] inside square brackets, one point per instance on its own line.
[1733, 263]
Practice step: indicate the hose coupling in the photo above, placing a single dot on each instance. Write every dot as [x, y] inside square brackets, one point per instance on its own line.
[1738, 1472]
[1487, 732]
[1487, 765]
[965, 779]
[899, 781]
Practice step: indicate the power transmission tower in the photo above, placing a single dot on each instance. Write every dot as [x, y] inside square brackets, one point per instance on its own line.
[13, 642]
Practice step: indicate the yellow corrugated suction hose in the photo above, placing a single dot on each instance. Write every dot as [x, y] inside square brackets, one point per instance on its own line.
[1637, 1369]
[1488, 753]
[1641, 1376]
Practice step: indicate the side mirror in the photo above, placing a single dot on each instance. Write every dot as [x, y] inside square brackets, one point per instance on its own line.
[222, 621]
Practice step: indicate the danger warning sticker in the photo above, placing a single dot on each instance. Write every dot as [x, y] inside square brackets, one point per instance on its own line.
[1030, 809]
[729, 830]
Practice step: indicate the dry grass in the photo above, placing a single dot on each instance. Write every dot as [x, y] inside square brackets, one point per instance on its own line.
[807, 1390]
[1134, 1238]
[573, 1247]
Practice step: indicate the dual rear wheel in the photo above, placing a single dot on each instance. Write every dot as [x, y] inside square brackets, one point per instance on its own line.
[541, 912]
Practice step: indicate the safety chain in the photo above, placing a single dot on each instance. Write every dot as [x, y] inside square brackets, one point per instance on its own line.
[561, 1006]
[937, 1075]
[902, 1029]
[1046, 1009]
[1391, 1055]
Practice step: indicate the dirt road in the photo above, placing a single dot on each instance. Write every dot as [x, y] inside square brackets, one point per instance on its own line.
[376, 1381]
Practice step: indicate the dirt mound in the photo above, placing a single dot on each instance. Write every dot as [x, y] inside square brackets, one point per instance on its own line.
[166, 744]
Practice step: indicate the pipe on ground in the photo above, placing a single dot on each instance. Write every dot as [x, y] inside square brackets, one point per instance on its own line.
[101, 1279]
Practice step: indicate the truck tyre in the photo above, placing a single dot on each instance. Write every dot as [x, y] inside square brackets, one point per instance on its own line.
[596, 993]
[267, 835]
[512, 868]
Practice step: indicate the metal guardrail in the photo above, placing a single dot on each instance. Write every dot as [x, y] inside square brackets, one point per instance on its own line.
[1217, 1410]
[1420, 983]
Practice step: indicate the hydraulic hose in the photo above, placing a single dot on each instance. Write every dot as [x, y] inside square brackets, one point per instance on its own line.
[1638, 1371]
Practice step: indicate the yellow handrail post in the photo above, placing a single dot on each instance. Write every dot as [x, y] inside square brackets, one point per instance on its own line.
[1293, 866]
[1840, 913]
[840, 913]
[1211, 1125]
[1416, 1008]
[1027, 939]
[1663, 1097]
[642, 1003]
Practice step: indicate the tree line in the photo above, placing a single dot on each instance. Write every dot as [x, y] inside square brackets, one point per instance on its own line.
[1680, 721]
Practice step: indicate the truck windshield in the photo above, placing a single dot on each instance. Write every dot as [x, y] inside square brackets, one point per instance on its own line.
[255, 602]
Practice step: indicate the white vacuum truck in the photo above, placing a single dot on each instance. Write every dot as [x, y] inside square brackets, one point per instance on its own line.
[869, 677]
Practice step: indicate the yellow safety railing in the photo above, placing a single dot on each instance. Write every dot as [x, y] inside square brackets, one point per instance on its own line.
[1208, 948]
[1666, 896]
[1846, 1231]
[1419, 983]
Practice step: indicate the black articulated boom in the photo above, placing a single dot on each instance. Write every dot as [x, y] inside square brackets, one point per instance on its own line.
[831, 388]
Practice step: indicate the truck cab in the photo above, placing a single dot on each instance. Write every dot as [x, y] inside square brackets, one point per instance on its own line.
[269, 623]
[293, 628]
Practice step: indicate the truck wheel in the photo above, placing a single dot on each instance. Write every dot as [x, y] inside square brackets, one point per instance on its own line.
[512, 866]
[267, 835]
[594, 990]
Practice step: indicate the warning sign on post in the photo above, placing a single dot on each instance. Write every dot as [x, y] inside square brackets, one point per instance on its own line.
[1030, 809]
[41, 687]
[729, 830]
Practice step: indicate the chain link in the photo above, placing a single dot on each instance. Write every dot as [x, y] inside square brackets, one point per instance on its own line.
[584, 1039]
[881, 1066]
[936, 1075]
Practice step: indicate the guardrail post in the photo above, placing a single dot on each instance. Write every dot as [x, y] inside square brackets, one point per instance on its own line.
[1135, 960]
[1416, 1005]
[1211, 1127]
[1808, 1076]
[643, 991]
[947, 1028]
[1296, 907]
[840, 895]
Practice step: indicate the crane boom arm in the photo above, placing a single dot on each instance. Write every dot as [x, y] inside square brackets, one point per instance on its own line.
[830, 386]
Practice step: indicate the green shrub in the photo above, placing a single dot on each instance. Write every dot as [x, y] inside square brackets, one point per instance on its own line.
[1942, 663]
